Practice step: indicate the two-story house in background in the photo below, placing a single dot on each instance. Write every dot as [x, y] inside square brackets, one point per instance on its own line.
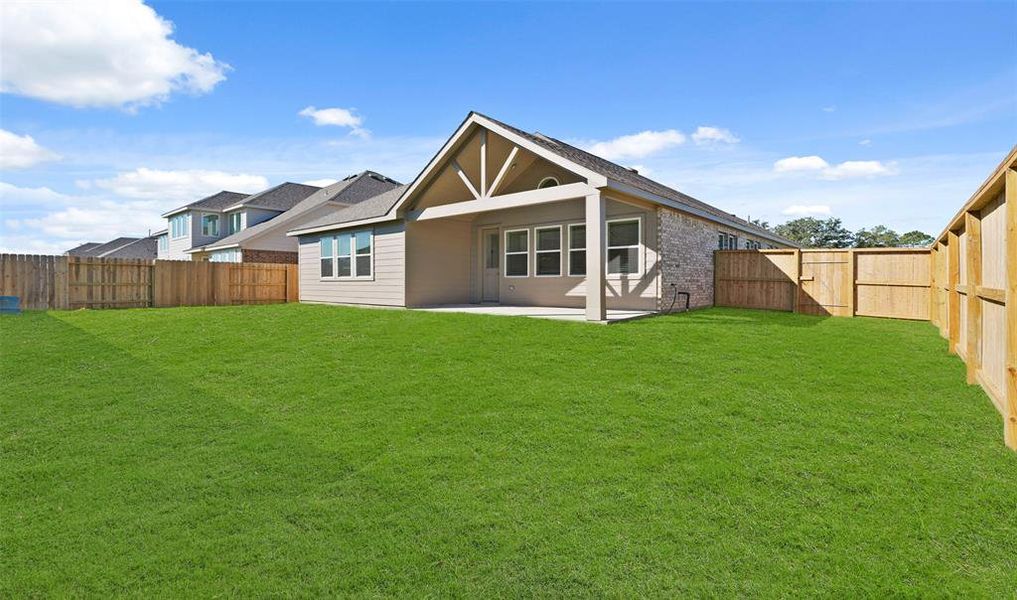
[233, 227]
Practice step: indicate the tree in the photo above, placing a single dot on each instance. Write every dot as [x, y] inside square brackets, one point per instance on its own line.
[810, 232]
[879, 236]
[760, 223]
[916, 239]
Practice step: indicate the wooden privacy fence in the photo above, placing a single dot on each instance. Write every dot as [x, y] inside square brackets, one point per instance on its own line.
[974, 299]
[871, 282]
[68, 282]
[966, 284]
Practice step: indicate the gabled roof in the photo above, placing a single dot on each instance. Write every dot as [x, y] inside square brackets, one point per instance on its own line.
[378, 206]
[144, 248]
[281, 197]
[620, 174]
[599, 172]
[215, 203]
[349, 192]
[100, 250]
[82, 249]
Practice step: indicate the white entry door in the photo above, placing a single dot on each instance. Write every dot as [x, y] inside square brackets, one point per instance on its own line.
[491, 261]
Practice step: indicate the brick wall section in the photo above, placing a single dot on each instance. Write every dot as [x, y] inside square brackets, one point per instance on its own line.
[686, 246]
[686, 257]
[269, 256]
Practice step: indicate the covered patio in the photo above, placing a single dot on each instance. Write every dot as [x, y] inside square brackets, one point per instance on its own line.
[539, 312]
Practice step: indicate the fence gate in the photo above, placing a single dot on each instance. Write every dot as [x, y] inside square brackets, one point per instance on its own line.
[826, 284]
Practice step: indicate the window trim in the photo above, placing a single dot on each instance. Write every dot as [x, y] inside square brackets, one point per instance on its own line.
[506, 253]
[639, 246]
[184, 228]
[571, 250]
[557, 182]
[209, 218]
[353, 276]
[229, 222]
[560, 250]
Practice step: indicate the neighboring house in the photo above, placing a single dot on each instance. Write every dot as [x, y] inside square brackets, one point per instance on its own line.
[502, 215]
[121, 247]
[267, 242]
[196, 223]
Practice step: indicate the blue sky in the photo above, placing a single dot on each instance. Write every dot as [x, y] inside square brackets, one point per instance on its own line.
[873, 113]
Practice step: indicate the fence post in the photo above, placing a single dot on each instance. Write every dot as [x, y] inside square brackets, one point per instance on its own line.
[1010, 391]
[798, 280]
[973, 268]
[849, 287]
[953, 318]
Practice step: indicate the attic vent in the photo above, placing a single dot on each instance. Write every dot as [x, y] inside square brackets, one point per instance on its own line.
[349, 177]
[633, 170]
[382, 178]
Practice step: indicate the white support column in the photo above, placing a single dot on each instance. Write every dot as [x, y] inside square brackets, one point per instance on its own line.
[596, 242]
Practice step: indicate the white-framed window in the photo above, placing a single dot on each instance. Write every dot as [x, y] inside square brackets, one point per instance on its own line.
[164, 242]
[547, 251]
[327, 246]
[548, 182]
[234, 223]
[180, 225]
[230, 255]
[347, 256]
[210, 225]
[517, 253]
[726, 241]
[577, 250]
[624, 244]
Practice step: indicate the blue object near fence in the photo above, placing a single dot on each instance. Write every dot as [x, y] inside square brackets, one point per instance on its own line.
[10, 305]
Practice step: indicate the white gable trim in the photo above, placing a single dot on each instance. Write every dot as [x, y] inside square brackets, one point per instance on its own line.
[593, 178]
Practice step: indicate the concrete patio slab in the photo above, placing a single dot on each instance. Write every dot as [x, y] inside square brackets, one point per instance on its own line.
[538, 312]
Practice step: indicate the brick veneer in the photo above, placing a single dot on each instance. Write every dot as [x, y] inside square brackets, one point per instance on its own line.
[269, 256]
[686, 246]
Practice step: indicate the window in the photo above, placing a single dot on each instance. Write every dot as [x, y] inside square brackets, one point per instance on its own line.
[517, 253]
[753, 245]
[234, 223]
[326, 256]
[623, 244]
[231, 255]
[547, 250]
[180, 225]
[210, 225]
[726, 241]
[577, 250]
[363, 252]
[164, 243]
[348, 255]
[547, 182]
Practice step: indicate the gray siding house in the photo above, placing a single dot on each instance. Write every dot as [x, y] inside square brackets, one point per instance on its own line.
[500, 215]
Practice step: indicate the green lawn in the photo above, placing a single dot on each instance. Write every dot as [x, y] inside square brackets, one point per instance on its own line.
[305, 450]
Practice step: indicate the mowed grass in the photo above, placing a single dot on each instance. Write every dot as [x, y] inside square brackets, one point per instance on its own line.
[316, 450]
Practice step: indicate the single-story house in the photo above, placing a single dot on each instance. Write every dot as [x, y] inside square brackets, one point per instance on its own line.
[267, 242]
[500, 215]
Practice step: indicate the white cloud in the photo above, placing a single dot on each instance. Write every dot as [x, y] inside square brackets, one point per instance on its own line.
[849, 169]
[793, 164]
[22, 151]
[806, 209]
[829, 109]
[865, 142]
[320, 182]
[338, 117]
[712, 135]
[41, 220]
[179, 186]
[637, 145]
[859, 168]
[96, 54]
